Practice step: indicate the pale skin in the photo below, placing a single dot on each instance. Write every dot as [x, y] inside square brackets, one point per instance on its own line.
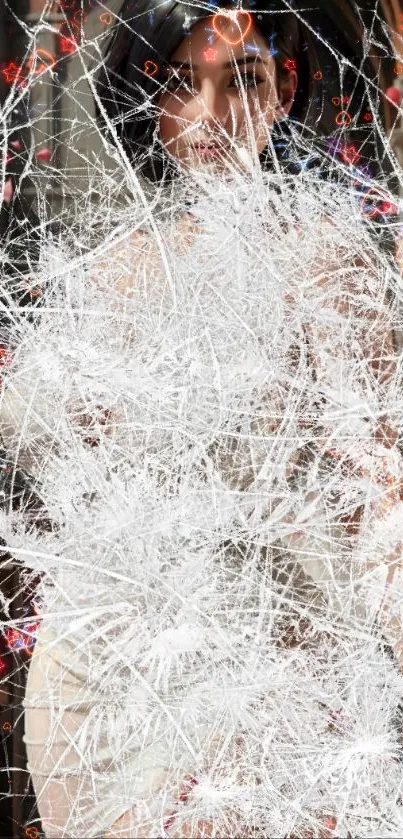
[203, 103]
[215, 92]
[204, 100]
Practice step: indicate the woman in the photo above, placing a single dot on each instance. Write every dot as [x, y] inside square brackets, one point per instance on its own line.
[206, 428]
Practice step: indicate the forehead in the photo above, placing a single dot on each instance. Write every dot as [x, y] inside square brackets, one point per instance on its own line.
[217, 39]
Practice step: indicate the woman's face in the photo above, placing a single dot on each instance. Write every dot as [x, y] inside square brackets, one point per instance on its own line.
[220, 96]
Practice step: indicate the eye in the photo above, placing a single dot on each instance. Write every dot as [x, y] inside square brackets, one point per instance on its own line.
[175, 83]
[247, 80]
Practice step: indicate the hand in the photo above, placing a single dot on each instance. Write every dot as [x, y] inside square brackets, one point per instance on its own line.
[206, 828]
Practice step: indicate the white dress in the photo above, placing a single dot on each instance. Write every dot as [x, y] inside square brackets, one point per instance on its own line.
[208, 656]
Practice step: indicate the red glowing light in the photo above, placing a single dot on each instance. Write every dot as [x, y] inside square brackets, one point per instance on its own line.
[387, 208]
[318, 75]
[13, 638]
[290, 64]
[70, 32]
[368, 117]
[7, 726]
[106, 18]
[394, 95]
[210, 54]
[32, 832]
[79, 18]
[374, 203]
[350, 155]
[242, 20]
[16, 144]
[3, 666]
[343, 118]
[40, 61]
[67, 45]
[11, 73]
[23, 640]
[340, 100]
[150, 68]
[43, 154]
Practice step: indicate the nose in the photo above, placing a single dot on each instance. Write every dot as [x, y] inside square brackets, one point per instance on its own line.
[210, 106]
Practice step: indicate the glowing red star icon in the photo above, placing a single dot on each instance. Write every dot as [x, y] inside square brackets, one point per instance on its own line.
[210, 54]
[67, 46]
[11, 73]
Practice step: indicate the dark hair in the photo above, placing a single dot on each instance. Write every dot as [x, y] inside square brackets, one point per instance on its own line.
[150, 32]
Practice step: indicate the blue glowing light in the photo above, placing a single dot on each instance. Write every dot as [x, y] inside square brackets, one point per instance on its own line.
[272, 47]
[303, 164]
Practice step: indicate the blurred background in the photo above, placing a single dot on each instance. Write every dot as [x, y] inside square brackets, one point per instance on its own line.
[52, 155]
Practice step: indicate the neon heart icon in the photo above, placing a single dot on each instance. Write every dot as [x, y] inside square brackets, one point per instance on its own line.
[150, 67]
[242, 20]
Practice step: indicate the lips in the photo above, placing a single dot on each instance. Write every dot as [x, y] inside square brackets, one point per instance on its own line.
[210, 149]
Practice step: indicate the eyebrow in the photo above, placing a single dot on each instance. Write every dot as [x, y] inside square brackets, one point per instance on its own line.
[247, 59]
